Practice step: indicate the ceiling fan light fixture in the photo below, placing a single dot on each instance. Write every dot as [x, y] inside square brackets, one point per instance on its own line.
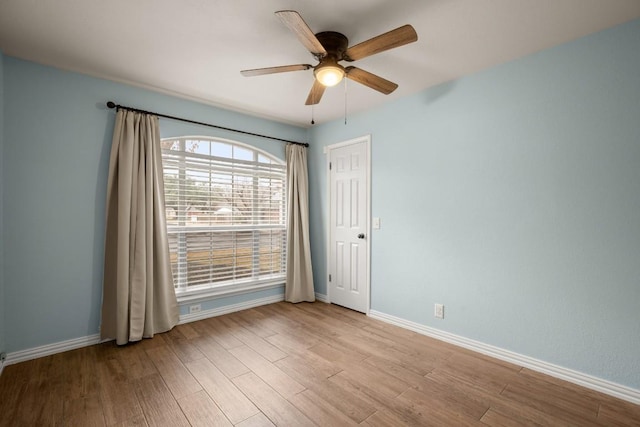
[330, 74]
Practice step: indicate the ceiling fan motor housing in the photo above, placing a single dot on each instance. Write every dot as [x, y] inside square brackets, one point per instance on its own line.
[334, 43]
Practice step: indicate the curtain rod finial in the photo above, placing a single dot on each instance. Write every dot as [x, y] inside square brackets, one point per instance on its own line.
[111, 104]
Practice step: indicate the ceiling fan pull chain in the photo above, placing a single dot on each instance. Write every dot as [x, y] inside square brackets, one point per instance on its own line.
[345, 102]
[313, 122]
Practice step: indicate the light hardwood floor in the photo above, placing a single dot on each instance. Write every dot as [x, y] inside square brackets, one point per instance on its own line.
[293, 365]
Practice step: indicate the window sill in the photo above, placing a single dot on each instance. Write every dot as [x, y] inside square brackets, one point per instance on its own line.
[192, 296]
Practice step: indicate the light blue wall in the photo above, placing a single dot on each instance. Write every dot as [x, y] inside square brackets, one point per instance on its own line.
[512, 197]
[2, 321]
[56, 150]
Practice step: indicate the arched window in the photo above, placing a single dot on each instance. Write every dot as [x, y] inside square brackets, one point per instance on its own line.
[225, 205]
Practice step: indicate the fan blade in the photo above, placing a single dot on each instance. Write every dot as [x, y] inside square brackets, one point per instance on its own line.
[394, 38]
[317, 90]
[294, 21]
[273, 70]
[368, 79]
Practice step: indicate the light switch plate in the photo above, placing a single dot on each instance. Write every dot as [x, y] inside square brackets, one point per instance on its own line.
[439, 311]
[376, 223]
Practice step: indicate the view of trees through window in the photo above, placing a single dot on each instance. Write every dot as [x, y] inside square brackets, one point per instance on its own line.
[225, 208]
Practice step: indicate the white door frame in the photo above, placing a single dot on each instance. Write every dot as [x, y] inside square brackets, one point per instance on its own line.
[366, 139]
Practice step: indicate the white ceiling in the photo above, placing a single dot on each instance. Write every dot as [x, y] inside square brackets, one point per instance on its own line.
[196, 48]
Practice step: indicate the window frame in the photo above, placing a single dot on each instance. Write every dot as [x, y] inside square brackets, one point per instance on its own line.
[197, 293]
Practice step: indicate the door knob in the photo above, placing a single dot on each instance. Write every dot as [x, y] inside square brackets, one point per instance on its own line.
[361, 236]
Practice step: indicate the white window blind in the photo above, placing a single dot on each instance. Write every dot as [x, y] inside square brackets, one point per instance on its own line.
[226, 210]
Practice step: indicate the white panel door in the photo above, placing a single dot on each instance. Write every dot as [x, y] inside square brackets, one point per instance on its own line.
[349, 251]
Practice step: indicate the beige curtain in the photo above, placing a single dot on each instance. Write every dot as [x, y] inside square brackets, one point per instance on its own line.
[138, 298]
[299, 286]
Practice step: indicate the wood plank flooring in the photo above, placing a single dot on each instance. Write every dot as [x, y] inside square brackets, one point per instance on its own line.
[293, 365]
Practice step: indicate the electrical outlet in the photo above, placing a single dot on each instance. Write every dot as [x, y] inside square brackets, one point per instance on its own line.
[195, 308]
[439, 311]
[3, 356]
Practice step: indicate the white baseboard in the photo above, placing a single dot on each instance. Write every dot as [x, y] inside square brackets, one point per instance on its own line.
[613, 389]
[1, 366]
[72, 344]
[322, 297]
[186, 318]
[49, 349]
[594, 383]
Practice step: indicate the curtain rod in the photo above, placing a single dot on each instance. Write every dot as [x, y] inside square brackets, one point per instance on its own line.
[112, 105]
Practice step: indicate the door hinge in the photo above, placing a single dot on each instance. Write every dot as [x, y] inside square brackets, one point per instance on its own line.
[329, 277]
[329, 165]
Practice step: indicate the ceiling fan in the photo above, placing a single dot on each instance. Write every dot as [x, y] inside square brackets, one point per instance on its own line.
[329, 48]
